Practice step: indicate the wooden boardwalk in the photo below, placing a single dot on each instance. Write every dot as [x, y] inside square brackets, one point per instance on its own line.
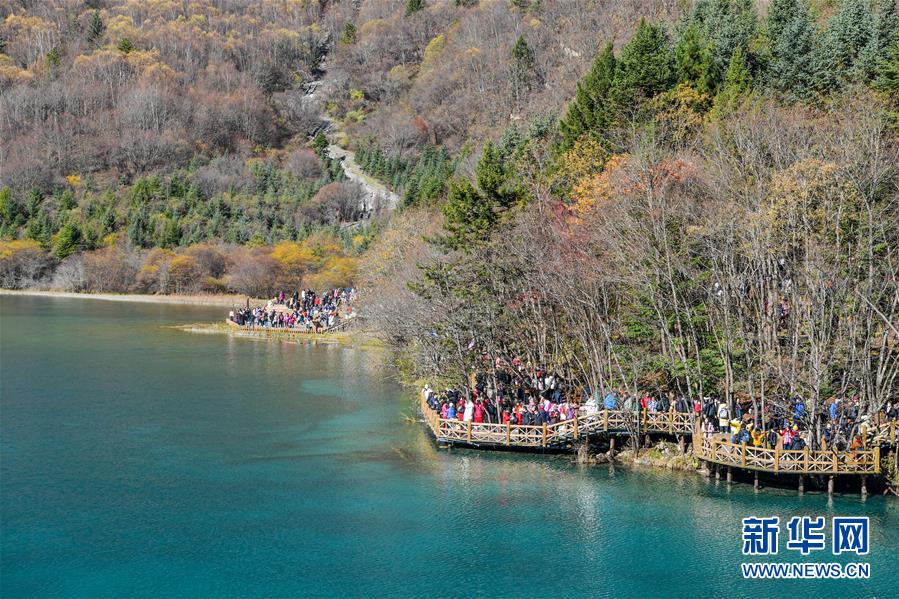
[717, 449]
[555, 436]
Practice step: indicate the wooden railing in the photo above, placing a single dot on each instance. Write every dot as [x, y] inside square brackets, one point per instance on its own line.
[886, 432]
[555, 435]
[719, 450]
[566, 432]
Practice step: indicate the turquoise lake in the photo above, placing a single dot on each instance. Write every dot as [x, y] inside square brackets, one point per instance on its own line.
[139, 460]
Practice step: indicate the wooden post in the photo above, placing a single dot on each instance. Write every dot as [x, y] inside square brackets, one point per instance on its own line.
[469, 431]
[544, 434]
[755, 481]
[647, 441]
[804, 461]
[777, 458]
[801, 484]
[509, 433]
[877, 459]
[681, 444]
[611, 445]
[892, 432]
[864, 485]
[717, 472]
[730, 476]
[671, 420]
[605, 420]
[575, 428]
[836, 463]
[830, 485]
[744, 455]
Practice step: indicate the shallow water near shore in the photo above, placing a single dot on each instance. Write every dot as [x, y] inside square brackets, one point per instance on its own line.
[140, 460]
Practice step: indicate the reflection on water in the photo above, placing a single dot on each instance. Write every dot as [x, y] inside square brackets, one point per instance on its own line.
[138, 460]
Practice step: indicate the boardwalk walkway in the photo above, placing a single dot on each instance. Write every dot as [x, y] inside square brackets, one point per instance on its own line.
[555, 436]
[717, 449]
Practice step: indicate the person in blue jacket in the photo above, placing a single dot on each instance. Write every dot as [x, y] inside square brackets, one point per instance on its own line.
[610, 402]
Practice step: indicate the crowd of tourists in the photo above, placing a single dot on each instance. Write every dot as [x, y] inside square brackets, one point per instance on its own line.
[841, 425]
[303, 311]
[523, 396]
[518, 396]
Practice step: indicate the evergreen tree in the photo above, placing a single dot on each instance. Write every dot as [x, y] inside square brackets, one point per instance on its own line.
[780, 13]
[95, 29]
[33, 203]
[737, 82]
[887, 78]
[494, 182]
[838, 56]
[53, 59]
[694, 60]
[645, 67]
[349, 34]
[590, 111]
[67, 241]
[725, 25]
[468, 218]
[125, 46]
[522, 68]
[884, 32]
[320, 144]
[413, 6]
[109, 224]
[792, 68]
[137, 230]
[171, 234]
[8, 207]
[67, 200]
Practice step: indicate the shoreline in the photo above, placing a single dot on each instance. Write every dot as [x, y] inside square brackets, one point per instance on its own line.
[196, 300]
[358, 339]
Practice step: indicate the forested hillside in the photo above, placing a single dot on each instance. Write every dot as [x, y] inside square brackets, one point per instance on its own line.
[715, 212]
[168, 146]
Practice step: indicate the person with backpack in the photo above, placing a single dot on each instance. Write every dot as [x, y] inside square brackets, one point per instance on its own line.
[723, 418]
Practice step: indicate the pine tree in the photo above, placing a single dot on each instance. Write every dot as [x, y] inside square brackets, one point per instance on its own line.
[737, 82]
[320, 144]
[33, 202]
[137, 230]
[349, 34]
[53, 59]
[838, 57]
[725, 25]
[887, 78]
[67, 200]
[413, 6]
[645, 67]
[693, 60]
[792, 69]
[494, 182]
[8, 207]
[125, 46]
[884, 32]
[67, 241]
[95, 29]
[522, 68]
[468, 218]
[590, 111]
[780, 13]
